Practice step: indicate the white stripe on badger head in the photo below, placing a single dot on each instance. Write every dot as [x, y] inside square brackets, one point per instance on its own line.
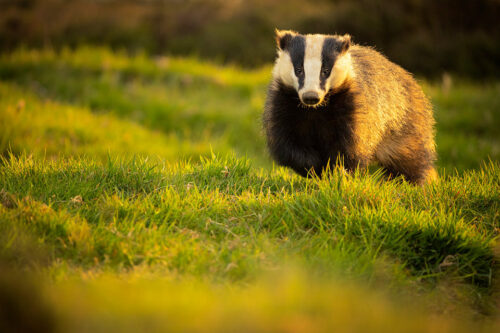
[283, 69]
[312, 63]
[342, 69]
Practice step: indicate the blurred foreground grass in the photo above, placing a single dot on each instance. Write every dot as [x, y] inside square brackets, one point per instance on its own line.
[110, 219]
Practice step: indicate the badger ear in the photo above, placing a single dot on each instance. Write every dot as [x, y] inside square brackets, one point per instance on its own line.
[346, 43]
[283, 38]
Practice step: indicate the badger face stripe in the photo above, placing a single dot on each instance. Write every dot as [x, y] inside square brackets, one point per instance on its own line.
[296, 49]
[312, 63]
[328, 57]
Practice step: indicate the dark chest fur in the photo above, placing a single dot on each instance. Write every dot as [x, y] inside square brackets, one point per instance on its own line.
[303, 138]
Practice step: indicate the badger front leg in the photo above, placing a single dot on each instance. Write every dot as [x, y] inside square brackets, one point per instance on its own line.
[347, 164]
[305, 161]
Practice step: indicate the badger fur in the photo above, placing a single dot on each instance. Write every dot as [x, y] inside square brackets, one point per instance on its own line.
[330, 100]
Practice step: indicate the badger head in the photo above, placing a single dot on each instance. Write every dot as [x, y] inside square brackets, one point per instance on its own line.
[312, 64]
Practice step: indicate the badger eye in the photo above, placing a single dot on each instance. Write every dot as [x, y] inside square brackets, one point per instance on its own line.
[325, 71]
[299, 70]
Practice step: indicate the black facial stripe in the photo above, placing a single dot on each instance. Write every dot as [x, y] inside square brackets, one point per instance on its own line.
[329, 54]
[284, 40]
[297, 49]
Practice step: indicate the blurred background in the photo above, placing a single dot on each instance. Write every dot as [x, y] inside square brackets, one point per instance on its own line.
[427, 37]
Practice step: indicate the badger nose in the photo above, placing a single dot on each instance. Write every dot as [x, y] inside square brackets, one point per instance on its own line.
[310, 98]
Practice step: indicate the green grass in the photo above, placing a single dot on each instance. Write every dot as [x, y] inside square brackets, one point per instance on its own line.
[136, 194]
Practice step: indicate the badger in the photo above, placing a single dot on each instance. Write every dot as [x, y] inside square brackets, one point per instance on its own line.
[331, 100]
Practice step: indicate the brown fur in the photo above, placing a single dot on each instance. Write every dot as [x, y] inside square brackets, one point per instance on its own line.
[394, 119]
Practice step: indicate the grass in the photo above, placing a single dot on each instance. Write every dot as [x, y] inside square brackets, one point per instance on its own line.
[137, 195]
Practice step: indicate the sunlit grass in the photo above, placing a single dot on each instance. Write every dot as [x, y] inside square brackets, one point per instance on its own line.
[51, 129]
[139, 192]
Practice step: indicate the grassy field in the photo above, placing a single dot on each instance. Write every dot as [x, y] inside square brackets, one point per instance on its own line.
[137, 194]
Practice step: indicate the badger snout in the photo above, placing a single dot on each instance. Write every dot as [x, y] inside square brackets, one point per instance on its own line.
[310, 98]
